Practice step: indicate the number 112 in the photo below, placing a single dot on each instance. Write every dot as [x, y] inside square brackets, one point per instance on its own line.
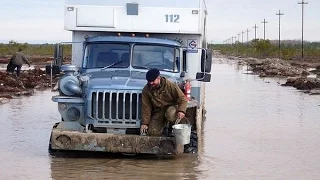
[172, 18]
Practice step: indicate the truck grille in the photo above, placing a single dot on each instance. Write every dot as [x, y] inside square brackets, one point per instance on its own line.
[116, 107]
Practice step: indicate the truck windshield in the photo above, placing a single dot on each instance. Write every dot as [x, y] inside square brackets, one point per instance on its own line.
[107, 55]
[112, 55]
[156, 56]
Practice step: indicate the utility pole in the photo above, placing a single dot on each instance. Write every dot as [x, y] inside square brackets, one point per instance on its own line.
[235, 38]
[255, 31]
[279, 14]
[247, 35]
[242, 36]
[302, 3]
[264, 28]
[238, 43]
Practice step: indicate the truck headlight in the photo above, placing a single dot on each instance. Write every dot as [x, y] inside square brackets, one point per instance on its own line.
[73, 113]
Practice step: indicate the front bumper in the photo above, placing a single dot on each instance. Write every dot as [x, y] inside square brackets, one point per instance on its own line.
[114, 143]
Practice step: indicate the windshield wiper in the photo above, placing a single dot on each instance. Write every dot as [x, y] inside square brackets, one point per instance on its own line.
[141, 67]
[110, 65]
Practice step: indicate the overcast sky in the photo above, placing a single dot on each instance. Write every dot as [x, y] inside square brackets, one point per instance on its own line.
[41, 21]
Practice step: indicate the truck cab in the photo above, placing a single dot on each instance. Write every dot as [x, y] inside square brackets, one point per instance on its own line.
[114, 44]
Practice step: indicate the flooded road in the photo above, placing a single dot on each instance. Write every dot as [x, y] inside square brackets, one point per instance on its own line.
[255, 129]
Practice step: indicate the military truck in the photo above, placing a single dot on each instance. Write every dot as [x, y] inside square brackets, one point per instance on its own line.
[114, 44]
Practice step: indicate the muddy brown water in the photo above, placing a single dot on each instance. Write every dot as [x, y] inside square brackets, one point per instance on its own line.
[255, 129]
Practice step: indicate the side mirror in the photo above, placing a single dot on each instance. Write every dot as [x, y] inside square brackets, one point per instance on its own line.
[183, 74]
[58, 54]
[204, 77]
[206, 60]
[184, 60]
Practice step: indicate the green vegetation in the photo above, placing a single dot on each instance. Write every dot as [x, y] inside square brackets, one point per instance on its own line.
[259, 48]
[31, 49]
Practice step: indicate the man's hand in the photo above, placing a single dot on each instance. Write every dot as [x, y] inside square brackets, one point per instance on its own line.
[181, 115]
[143, 129]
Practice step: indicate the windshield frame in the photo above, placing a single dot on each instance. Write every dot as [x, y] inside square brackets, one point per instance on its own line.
[174, 63]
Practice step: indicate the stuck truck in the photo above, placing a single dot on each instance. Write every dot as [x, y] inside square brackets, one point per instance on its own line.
[114, 44]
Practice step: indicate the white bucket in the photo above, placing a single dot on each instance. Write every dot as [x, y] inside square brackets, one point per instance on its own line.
[182, 133]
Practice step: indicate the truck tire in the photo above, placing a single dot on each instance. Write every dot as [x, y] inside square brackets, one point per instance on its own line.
[50, 150]
[192, 147]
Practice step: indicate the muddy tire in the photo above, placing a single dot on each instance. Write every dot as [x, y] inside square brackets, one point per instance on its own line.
[192, 147]
[50, 150]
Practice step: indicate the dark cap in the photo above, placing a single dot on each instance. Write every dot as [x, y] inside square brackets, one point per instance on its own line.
[152, 74]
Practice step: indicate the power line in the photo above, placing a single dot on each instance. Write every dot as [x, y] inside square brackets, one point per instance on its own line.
[255, 31]
[279, 14]
[235, 38]
[290, 10]
[302, 4]
[242, 36]
[264, 28]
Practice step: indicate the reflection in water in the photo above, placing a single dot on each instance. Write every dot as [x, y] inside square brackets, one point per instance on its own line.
[301, 106]
[255, 129]
[143, 167]
[24, 131]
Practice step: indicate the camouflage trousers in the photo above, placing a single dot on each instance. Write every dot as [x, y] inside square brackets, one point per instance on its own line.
[160, 118]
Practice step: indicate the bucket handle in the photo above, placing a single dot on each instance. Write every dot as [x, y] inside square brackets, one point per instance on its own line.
[178, 120]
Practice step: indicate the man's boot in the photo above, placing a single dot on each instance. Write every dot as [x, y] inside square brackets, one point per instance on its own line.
[170, 130]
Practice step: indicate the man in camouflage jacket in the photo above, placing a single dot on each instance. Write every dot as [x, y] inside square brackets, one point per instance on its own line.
[162, 101]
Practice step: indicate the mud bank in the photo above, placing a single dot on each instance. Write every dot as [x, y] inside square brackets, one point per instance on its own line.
[300, 74]
[275, 68]
[26, 84]
[29, 80]
[308, 85]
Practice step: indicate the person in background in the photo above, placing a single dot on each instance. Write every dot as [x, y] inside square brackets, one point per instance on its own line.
[162, 101]
[17, 60]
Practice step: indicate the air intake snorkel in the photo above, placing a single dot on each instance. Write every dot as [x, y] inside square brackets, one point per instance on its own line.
[69, 84]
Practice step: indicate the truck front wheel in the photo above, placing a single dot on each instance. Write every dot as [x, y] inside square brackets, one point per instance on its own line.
[192, 147]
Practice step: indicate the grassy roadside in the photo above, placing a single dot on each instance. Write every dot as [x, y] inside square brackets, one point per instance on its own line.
[37, 53]
[31, 49]
[260, 48]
